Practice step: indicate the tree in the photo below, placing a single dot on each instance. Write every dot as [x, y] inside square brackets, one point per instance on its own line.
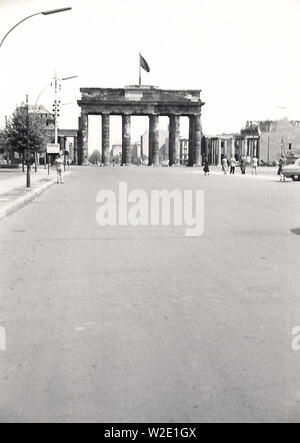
[2, 142]
[95, 157]
[25, 130]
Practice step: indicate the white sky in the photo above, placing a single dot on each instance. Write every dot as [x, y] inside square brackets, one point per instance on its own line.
[243, 54]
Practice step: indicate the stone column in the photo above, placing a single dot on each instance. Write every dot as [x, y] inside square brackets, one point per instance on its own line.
[79, 142]
[225, 148]
[126, 140]
[219, 151]
[258, 148]
[154, 140]
[75, 159]
[252, 144]
[105, 140]
[245, 147]
[191, 140]
[197, 140]
[84, 132]
[150, 142]
[174, 140]
[233, 147]
[214, 152]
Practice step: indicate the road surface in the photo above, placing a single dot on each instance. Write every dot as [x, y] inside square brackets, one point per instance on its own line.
[143, 324]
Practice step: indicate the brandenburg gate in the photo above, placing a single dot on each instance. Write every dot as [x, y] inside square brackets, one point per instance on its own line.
[142, 101]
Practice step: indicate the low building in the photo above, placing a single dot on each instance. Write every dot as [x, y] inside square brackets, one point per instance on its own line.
[267, 140]
[279, 137]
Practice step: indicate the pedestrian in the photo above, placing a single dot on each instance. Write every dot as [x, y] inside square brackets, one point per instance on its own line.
[243, 166]
[59, 169]
[206, 167]
[232, 165]
[224, 165]
[282, 162]
[254, 165]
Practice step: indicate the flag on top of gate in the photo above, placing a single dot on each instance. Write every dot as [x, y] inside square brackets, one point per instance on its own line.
[144, 64]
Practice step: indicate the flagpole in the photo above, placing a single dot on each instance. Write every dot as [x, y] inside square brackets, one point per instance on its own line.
[140, 73]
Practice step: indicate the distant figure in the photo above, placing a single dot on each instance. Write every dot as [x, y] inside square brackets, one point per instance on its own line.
[224, 165]
[232, 165]
[206, 167]
[243, 165]
[282, 162]
[59, 169]
[254, 165]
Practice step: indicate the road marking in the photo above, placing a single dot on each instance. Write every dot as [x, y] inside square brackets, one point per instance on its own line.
[2, 339]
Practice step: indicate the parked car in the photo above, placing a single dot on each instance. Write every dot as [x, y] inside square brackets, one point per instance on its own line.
[292, 171]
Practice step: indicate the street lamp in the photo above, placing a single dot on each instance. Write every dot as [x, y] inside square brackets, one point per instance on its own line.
[52, 11]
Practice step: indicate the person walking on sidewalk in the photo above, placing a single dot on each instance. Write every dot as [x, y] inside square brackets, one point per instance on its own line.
[243, 165]
[59, 169]
[224, 165]
[282, 162]
[206, 166]
[232, 165]
[254, 165]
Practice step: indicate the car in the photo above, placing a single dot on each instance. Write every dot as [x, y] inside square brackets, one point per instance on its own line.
[292, 171]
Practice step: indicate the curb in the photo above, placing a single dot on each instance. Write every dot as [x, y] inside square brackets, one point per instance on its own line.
[18, 203]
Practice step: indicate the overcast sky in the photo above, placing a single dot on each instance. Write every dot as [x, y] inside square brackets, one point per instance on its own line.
[242, 54]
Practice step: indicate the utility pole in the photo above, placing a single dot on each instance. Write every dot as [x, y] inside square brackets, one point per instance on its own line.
[27, 144]
[55, 109]
[56, 105]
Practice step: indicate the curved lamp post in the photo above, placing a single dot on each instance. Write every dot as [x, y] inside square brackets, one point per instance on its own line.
[52, 11]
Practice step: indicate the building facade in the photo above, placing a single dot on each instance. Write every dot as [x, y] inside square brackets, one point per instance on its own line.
[267, 140]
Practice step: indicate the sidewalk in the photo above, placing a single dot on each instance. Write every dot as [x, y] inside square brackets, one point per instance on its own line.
[13, 191]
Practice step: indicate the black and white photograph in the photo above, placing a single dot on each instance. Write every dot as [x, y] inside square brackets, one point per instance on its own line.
[149, 214]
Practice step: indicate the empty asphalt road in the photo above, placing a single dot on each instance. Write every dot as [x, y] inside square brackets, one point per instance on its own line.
[144, 324]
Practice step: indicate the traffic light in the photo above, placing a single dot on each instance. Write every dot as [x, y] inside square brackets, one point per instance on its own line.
[55, 108]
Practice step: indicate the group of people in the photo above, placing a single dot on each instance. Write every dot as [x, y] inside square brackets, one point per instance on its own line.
[232, 164]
